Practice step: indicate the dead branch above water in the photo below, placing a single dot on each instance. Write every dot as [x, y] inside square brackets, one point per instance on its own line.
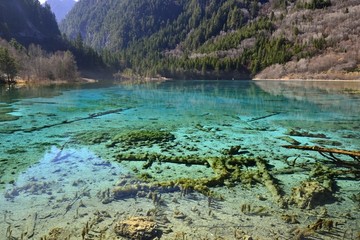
[329, 153]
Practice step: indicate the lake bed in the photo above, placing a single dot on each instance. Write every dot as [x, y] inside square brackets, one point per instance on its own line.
[183, 159]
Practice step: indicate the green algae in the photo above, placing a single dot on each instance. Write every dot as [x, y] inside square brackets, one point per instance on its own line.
[93, 137]
[227, 171]
[146, 177]
[5, 115]
[8, 117]
[143, 137]
[17, 150]
[356, 199]
[127, 139]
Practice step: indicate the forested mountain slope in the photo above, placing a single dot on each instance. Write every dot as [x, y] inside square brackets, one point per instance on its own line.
[223, 38]
[329, 41]
[33, 47]
[28, 21]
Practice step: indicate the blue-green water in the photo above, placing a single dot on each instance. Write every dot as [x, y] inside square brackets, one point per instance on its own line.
[61, 147]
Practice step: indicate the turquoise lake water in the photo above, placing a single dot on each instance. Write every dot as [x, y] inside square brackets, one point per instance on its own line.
[66, 149]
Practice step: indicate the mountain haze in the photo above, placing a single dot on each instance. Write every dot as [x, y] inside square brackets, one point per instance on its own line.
[61, 7]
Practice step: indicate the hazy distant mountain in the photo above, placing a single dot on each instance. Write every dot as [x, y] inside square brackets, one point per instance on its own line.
[61, 7]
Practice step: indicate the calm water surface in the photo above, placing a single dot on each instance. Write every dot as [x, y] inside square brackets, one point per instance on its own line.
[56, 140]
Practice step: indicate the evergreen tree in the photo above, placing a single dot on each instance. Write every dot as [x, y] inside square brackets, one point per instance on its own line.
[7, 65]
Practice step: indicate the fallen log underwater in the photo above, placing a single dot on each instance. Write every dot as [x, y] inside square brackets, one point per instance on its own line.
[90, 116]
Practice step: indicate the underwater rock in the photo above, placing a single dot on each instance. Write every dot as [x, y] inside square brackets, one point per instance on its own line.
[178, 214]
[126, 191]
[310, 194]
[141, 228]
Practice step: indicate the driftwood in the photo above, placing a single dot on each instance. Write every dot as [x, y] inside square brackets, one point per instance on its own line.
[329, 153]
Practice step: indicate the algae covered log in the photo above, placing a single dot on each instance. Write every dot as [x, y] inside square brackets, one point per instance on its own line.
[270, 182]
[227, 170]
[146, 157]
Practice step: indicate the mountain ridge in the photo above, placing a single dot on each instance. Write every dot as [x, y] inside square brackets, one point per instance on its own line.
[28, 21]
[221, 38]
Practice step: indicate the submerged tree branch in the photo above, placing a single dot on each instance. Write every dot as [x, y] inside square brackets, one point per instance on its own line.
[263, 117]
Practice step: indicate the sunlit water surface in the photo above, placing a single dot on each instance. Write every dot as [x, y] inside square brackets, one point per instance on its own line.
[60, 164]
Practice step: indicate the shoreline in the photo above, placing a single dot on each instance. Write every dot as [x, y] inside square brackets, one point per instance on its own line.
[305, 80]
[323, 76]
[80, 80]
[23, 82]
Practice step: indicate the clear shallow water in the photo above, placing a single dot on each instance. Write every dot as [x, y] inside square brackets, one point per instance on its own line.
[59, 150]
